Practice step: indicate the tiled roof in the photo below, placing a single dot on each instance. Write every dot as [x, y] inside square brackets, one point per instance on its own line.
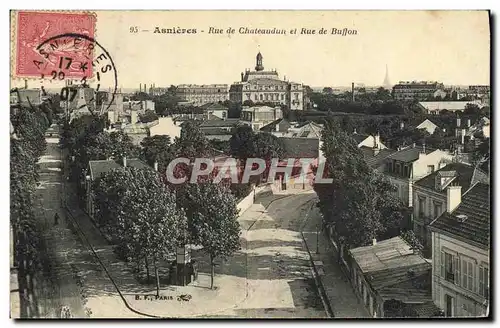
[422, 125]
[463, 173]
[372, 160]
[266, 81]
[476, 227]
[283, 126]
[407, 283]
[301, 147]
[230, 122]
[213, 106]
[448, 105]
[394, 271]
[215, 131]
[391, 253]
[359, 138]
[100, 167]
[409, 154]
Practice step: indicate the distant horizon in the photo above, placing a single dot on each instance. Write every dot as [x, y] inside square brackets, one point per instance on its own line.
[452, 47]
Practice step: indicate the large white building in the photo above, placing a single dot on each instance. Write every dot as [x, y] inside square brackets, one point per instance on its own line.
[260, 86]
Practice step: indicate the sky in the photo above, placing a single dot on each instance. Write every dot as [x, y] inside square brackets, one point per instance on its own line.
[452, 47]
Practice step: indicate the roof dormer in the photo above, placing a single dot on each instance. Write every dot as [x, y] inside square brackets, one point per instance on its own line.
[444, 178]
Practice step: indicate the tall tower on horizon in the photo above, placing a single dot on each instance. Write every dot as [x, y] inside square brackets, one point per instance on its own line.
[387, 83]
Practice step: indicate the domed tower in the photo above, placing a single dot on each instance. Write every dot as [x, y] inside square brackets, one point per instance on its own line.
[259, 67]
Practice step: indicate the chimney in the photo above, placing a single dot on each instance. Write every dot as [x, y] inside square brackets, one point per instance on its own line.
[468, 122]
[374, 241]
[242, 76]
[156, 166]
[133, 116]
[140, 88]
[376, 141]
[402, 125]
[124, 161]
[26, 84]
[352, 91]
[458, 122]
[423, 147]
[453, 198]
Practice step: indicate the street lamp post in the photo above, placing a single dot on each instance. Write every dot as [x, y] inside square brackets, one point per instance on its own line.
[317, 239]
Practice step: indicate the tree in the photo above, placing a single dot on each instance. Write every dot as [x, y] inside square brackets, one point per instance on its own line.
[221, 145]
[158, 149]
[141, 213]
[192, 142]
[358, 204]
[327, 90]
[148, 116]
[212, 219]
[241, 142]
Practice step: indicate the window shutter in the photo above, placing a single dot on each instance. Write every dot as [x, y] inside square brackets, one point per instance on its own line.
[464, 273]
[456, 262]
[442, 265]
[481, 281]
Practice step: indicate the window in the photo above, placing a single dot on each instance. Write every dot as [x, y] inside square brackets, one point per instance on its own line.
[467, 275]
[296, 96]
[256, 97]
[406, 172]
[449, 267]
[430, 169]
[261, 97]
[484, 283]
[267, 96]
[248, 96]
[421, 206]
[282, 96]
[437, 209]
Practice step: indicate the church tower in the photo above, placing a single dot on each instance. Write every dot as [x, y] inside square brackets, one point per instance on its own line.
[259, 67]
[387, 82]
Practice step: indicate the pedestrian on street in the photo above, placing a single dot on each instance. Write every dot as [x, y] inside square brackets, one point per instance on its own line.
[56, 219]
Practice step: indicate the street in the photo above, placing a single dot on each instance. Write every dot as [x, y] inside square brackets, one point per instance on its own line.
[269, 277]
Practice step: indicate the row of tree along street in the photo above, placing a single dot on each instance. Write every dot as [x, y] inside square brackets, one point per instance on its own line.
[27, 144]
[359, 205]
[146, 217]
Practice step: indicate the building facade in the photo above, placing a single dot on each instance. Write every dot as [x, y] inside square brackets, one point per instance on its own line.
[417, 90]
[461, 254]
[261, 86]
[259, 116]
[407, 165]
[430, 195]
[199, 95]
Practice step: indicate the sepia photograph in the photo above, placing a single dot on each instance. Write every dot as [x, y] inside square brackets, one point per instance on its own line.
[258, 164]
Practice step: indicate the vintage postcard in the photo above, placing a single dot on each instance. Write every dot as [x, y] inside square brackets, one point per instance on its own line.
[250, 164]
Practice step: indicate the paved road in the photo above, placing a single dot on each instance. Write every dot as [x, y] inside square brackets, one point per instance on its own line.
[279, 278]
[74, 274]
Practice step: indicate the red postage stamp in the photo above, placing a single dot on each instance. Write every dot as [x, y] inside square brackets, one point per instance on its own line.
[46, 46]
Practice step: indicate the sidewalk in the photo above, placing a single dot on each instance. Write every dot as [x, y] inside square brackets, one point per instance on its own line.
[338, 289]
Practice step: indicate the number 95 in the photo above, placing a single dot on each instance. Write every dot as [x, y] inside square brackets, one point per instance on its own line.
[134, 29]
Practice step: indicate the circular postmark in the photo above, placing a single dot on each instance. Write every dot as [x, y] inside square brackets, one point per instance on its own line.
[84, 63]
